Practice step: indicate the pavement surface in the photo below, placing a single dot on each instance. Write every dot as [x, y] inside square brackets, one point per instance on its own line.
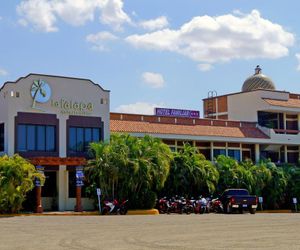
[208, 231]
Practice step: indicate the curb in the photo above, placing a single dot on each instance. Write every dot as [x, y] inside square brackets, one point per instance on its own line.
[143, 212]
[275, 212]
[92, 213]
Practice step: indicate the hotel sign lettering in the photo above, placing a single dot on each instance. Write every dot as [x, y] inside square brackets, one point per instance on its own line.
[70, 107]
[177, 113]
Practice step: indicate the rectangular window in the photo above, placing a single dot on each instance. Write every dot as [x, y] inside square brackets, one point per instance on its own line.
[80, 138]
[218, 152]
[22, 135]
[2, 137]
[50, 138]
[72, 139]
[41, 142]
[235, 154]
[35, 138]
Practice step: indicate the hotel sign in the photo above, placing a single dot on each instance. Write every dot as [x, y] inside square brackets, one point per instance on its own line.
[177, 113]
[41, 93]
[70, 107]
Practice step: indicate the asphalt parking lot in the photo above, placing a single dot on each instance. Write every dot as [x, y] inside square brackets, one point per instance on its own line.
[209, 231]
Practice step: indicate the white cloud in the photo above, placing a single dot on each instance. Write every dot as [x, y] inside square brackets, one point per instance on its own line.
[139, 108]
[219, 39]
[205, 67]
[38, 12]
[43, 14]
[113, 14]
[100, 39]
[154, 80]
[298, 58]
[155, 24]
[3, 72]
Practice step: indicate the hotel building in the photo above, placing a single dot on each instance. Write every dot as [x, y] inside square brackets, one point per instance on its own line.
[50, 120]
[259, 122]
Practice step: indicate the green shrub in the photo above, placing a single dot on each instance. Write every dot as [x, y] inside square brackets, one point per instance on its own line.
[16, 179]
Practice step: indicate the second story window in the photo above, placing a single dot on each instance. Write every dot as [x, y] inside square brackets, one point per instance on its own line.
[80, 138]
[36, 138]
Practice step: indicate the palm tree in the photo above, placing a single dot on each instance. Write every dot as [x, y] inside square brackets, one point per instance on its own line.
[37, 87]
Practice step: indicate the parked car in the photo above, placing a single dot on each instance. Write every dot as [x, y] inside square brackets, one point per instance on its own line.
[238, 200]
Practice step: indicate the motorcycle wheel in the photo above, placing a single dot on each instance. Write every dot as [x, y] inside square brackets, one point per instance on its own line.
[104, 211]
[123, 211]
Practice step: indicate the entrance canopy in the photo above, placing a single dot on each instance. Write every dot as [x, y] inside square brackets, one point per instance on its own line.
[55, 161]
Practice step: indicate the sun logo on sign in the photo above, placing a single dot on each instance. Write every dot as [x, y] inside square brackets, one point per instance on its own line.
[40, 92]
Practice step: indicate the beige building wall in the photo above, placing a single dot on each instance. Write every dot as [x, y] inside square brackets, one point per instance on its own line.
[16, 97]
[244, 106]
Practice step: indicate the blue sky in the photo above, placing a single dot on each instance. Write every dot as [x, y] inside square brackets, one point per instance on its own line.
[153, 53]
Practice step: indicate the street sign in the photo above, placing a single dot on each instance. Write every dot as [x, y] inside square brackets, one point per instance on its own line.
[260, 199]
[98, 195]
[79, 178]
[295, 200]
[98, 191]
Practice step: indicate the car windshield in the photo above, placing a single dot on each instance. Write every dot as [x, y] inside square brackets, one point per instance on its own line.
[236, 192]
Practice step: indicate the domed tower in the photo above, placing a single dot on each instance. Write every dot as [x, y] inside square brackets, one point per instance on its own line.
[258, 81]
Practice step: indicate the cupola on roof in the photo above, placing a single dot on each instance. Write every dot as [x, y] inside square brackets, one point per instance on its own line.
[258, 81]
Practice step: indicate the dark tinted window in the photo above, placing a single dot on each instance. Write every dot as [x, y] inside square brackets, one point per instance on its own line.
[22, 138]
[218, 152]
[31, 138]
[41, 142]
[72, 139]
[80, 138]
[80, 141]
[50, 138]
[35, 138]
[235, 154]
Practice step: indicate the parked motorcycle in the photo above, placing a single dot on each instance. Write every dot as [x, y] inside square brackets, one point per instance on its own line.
[114, 207]
[216, 206]
[163, 205]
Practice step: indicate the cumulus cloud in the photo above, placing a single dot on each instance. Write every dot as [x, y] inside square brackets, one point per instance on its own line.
[154, 80]
[139, 108]
[298, 58]
[155, 24]
[43, 14]
[205, 67]
[3, 72]
[219, 39]
[100, 39]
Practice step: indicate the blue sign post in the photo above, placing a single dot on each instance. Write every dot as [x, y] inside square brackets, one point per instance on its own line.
[40, 169]
[79, 184]
[79, 177]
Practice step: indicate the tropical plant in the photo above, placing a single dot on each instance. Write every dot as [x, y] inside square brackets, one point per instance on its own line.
[233, 174]
[16, 179]
[275, 190]
[191, 174]
[128, 167]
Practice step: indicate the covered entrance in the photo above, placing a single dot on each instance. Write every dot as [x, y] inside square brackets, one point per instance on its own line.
[55, 193]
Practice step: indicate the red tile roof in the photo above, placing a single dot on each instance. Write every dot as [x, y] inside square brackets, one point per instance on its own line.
[130, 126]
[290, 103]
